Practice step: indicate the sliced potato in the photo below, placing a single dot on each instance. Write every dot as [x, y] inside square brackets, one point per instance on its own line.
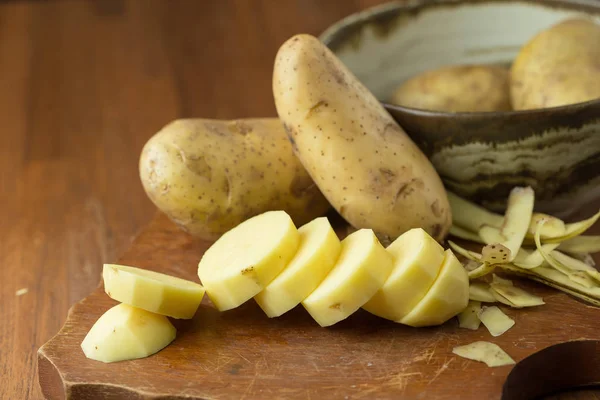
[448, 296]
[127, 333]
[495, 320]
[247, 258]
[417, 262]
[469, 317]
[489, 353]
[318, 251]
[479, 291]
[152, 291]
[360, 271]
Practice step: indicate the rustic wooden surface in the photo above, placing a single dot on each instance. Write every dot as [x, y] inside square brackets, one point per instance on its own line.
[243, 354]
[83, 85]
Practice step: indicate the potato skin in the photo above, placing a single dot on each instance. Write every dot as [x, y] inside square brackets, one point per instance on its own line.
[210, 175]
[363, 162]
[558, 66]
[461, 88]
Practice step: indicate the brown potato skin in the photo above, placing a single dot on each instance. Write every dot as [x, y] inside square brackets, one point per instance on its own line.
[460, 88]
[208, 176]
[558, 66]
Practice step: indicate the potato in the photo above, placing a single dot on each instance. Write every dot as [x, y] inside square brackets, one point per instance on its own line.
[247, 258]
[417, 261]
[359, 273]
[458, 88]
[317, 253]
[558, 66]
[363, 162]
[209, 175]
[152, 291]
[447, 297]
[127, 333]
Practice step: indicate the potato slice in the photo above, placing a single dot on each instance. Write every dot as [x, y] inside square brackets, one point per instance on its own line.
[470, 216]
[481, 292]
[495, 320]
[247, 258]
[417, 262]
[152, 291]
[126, 333]
[318, 251]
[469, 318]
[581, 244]
[360, 271]
[489, 353]
[448, 296]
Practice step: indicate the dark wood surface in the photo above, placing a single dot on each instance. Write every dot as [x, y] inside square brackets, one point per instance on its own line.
[243, 354]
[83, 85]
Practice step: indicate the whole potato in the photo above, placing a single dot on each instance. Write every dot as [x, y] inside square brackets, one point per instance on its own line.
[210, 175]
[461, 88]
[363, 162]
[559, 66]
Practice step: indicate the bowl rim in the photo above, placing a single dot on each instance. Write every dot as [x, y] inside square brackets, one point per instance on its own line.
[335, 32]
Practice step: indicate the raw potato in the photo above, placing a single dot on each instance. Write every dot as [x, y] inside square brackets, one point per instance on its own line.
[127, 333]
[361, 270]
[448, 296]
[208, 176]
[247, 258]
[417, 262]
[152, 291]
[318, 251]
[457, 88]
[558, 66]
[363, 162]
[489, 353]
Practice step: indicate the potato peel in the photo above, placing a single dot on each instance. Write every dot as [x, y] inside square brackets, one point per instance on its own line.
[574, 229]
[471, 255]
[570, 262]
[463, 233]
[481, 292]
[517, 297]
[495, 254]
[483, 270]
[495, 320]
[469, 318]
[581, 244]
[470, 216]
[489, 353]
[517, 218]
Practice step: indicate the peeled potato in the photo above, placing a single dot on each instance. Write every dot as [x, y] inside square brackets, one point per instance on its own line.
[457, 88]
[448, 296]
[362, 268]
[558, 66]
[152, 291]
[417, 261]
[247, 258]
[127, 333]
[317, 253]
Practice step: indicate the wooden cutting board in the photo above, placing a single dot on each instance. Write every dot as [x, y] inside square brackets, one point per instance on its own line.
[242, 354]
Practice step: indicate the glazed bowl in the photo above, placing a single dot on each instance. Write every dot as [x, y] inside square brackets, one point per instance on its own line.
[480, 156]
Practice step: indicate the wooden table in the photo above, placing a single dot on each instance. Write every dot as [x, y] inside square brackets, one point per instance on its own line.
[83, 85]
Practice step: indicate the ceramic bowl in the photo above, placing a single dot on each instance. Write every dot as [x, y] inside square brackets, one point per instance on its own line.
[480, 156]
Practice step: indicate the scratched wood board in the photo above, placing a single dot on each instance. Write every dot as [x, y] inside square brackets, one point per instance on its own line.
[242, 354]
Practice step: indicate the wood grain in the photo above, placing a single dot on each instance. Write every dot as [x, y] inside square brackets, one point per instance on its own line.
[243, 354]
[83, 85]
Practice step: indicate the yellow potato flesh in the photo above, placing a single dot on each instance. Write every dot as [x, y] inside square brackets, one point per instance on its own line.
[361, 270]
[127, 333]
[152, 291]
[417, 261]
[495, 320]
[247, 258]
[318, 251]
[448, 296]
